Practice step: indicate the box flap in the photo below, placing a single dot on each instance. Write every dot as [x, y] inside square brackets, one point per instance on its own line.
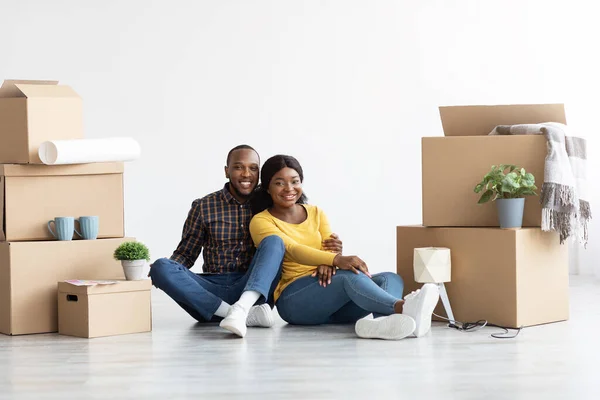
[67, 169]
[120, 286]
[481, 119]
[9, 87]
[34, 91]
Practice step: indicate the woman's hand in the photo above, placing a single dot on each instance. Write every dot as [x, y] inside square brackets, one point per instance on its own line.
[333, 244]
[324, 272]
[351, 263]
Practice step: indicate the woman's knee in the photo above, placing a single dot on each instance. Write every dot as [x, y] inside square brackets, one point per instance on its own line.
[273, 242]
[390, 282]
[349, 275]
[393, 278]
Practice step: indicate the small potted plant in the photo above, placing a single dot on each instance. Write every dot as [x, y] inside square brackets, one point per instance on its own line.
[133, 256]
[508, 190]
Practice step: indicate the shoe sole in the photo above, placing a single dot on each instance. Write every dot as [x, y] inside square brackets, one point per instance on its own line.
[429, 299]
[264, 314]
[394, 327]
[232, 329]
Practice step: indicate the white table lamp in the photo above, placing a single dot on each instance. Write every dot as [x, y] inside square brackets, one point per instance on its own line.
[433, 265]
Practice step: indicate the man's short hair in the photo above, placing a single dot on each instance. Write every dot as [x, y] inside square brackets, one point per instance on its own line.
[240, 147]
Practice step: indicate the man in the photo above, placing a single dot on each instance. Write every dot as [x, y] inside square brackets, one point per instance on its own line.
[236, 275]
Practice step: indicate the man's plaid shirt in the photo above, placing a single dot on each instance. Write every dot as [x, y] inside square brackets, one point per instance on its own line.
[217, 223]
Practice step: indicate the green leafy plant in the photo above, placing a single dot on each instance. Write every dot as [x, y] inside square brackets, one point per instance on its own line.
[497, 184]
[132, 251]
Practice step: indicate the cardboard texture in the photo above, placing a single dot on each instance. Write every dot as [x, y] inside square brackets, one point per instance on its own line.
[32, 112]
[481, 119]
[509, 277]
[104, 310]
[29, 272]
[452, 165]
[32, 195]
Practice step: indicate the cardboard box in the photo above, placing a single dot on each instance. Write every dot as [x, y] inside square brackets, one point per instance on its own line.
[32, 195]
[509, 277]
[104, 310]
[32, 112]
[452, 165]
[29, 272]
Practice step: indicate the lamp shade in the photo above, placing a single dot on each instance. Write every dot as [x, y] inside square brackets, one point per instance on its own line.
[432, 264]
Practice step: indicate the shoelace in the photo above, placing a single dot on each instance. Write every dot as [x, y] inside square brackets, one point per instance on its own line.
[252, 316]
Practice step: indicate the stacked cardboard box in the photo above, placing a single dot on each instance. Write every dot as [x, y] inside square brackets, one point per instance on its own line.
[509, 277]
[32, 261]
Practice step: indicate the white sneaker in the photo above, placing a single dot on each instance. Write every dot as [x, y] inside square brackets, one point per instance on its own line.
[420, 305]
[261, 315]
[392, 327]
[235, 321]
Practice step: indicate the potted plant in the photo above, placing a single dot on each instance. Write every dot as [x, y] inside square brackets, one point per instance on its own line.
[508, 190]
[133, 256]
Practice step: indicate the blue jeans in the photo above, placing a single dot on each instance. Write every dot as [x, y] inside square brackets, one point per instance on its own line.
[347, 299]
[201, 294]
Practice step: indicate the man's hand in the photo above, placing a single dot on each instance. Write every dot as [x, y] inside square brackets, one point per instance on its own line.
[333, 244]
[324, 272]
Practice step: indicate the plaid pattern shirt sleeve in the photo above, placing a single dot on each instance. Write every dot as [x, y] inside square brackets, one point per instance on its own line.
[192, 238]
[217, 226]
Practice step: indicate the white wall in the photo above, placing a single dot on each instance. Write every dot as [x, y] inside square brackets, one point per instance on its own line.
[348, 87]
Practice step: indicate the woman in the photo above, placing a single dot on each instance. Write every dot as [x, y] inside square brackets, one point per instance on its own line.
[349, 294]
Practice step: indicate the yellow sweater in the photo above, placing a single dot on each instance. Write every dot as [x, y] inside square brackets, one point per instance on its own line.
[303, 243]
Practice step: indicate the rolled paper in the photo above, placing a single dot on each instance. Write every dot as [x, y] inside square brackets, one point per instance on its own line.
[81, 151]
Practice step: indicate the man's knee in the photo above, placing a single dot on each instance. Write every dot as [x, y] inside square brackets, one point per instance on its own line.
[161, 268]
[273, 242]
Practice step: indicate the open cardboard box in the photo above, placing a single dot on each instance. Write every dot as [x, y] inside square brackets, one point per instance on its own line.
[32, 112]
[453, 164]
[32, 195]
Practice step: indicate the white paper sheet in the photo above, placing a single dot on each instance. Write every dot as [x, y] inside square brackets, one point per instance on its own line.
[87, 282]
[80, 151]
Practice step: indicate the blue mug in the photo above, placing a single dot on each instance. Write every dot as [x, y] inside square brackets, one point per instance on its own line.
[88, 226]
[65, 227]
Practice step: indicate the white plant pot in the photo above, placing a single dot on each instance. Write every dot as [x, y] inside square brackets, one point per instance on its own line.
[134, 269]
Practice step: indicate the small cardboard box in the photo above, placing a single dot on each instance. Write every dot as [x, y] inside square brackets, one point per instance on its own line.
[452, 165]
[32, 112]
[32, 195]
[104, 310]
[29, 272]
[509, 277]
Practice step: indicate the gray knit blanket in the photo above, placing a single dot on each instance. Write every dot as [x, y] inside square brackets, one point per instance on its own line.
[564, 193]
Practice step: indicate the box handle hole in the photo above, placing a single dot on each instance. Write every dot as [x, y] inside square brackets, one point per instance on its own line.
[71, 297]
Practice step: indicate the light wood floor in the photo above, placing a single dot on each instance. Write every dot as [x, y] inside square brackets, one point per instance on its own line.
[182, 359]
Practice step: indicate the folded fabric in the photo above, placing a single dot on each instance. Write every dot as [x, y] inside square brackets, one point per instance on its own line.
[80, 151]
[564, 193]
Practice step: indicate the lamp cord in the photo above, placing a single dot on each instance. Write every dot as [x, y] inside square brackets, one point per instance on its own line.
[478, 325]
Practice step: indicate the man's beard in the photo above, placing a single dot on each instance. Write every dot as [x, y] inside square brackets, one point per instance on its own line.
[242, 195]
